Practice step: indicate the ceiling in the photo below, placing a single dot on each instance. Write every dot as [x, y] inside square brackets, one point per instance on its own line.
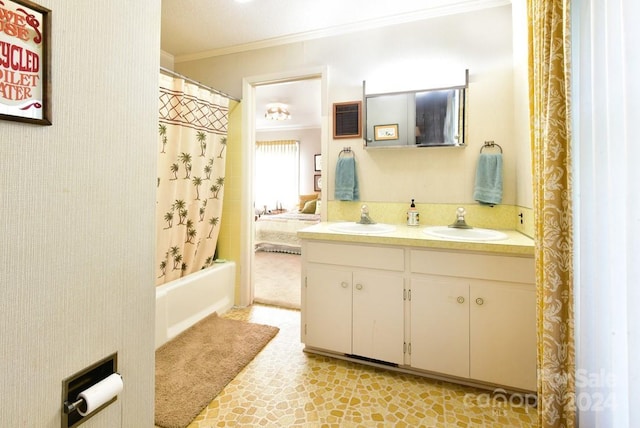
[196, 29]
[302, 98]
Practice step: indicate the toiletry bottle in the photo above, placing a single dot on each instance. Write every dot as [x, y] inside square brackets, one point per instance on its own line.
[413, 216]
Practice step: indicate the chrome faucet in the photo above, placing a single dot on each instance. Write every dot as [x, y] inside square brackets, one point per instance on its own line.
[460, 222]
[364, 216]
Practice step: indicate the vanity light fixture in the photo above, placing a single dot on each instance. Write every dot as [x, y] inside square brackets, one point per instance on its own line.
[277, 112]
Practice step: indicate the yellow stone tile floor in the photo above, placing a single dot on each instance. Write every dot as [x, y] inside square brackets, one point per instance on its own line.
[286, 387]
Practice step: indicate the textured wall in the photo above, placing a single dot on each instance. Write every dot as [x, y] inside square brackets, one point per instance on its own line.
[77, 205]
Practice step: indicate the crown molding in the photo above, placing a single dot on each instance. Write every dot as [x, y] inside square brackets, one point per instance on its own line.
[463, 6]
[166, 59]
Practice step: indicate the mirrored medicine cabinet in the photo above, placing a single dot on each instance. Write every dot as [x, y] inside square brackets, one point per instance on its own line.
[417, 118]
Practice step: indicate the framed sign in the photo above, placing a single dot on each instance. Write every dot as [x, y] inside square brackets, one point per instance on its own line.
[347, 120]
[25, 29]
[385, 132]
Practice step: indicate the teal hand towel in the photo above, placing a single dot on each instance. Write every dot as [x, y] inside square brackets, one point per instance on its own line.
[346, 180]
[488, 188]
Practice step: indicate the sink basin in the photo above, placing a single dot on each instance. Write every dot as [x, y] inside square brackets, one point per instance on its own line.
[474, 235]
[362, 229]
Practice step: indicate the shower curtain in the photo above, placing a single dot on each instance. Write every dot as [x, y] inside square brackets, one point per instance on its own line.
[192, 137]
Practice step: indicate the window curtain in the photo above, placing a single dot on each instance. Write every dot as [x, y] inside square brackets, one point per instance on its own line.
[607, 103]
[277, 177]
[192, 137]
[549, 86]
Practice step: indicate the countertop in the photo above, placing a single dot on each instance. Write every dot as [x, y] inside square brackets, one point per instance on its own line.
[413, 236]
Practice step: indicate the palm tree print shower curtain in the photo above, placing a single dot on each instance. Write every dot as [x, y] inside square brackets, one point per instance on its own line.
[192, 136]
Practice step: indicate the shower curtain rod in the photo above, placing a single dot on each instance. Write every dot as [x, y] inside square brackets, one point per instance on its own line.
[174, 74]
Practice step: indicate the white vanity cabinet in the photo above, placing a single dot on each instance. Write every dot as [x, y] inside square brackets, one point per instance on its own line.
[473, 316]
[457, 313]
[353, 300]
[440, 325]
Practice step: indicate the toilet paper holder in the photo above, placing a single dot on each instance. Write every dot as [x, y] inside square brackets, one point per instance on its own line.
[68, 407]
[75, 410]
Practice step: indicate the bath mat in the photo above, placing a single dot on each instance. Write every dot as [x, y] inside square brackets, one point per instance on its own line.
[195, 366]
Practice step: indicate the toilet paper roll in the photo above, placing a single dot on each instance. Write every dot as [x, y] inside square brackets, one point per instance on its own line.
[100, 393]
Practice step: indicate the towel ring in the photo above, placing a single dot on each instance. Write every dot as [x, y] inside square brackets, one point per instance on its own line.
[345, 150]
[490, 144]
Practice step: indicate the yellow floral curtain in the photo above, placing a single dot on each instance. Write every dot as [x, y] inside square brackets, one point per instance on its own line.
[192, 137]
[549, 85]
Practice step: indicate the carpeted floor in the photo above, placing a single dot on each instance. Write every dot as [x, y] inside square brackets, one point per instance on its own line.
[277, 279]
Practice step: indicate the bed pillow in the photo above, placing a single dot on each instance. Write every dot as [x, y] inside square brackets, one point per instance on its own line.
[309, 207]
[305, 198]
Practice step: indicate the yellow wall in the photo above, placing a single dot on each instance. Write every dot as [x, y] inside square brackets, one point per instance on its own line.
[230, 232]
[480, 41]
[439, 179]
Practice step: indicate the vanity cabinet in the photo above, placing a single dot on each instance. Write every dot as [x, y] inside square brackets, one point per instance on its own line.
[353, 300]
[440, 325]
[459, 314]
[473, 316]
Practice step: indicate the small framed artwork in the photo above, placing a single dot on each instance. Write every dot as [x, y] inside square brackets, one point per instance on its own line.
[385, 132]
[24, 62]
[317, 162]
[347, 120]
[317, 183]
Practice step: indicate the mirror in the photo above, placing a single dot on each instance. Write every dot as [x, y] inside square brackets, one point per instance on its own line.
[425, 118]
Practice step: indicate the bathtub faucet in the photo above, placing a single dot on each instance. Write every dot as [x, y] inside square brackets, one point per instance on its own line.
[364, 216]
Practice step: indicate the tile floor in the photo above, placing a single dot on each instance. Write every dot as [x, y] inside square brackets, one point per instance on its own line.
[286, 387]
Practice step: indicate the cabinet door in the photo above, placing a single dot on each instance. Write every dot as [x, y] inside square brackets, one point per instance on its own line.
[503, 333]
[440, 325]
[378, 316]
[328, 308]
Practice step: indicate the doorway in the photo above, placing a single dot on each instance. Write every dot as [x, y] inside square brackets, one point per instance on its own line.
[251, 113]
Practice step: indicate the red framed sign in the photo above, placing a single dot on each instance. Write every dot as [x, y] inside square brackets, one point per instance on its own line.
[24, 62]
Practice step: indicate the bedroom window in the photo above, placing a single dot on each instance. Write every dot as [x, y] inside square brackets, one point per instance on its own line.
[277, 180]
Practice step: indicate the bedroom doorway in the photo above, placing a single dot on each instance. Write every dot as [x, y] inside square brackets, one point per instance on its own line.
[273, 277]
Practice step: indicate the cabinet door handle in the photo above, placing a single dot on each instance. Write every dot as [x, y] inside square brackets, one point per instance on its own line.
[344, 284]
[480, 301]
[460, 299]
[359, 286]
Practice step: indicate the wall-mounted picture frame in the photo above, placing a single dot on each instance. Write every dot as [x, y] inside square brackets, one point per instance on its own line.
[385, 132]
[317, 162]
[24, 63]
[347, 120]
[317, 182]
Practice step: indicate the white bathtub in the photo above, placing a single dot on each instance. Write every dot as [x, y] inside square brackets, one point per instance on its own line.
[185, 301]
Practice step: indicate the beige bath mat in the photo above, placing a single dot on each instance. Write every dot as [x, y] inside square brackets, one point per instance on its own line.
[194, 367]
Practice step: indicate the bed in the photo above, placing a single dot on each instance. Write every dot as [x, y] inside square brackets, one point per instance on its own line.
[279, 232]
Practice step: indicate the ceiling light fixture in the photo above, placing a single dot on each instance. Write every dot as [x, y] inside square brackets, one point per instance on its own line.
[277, 112]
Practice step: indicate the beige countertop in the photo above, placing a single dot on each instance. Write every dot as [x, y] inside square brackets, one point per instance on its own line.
[412, 236]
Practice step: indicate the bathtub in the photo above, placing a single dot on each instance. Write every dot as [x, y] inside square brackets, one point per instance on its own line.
[185, 301]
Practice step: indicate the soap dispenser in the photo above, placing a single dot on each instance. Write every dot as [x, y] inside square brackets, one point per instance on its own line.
[413, 216]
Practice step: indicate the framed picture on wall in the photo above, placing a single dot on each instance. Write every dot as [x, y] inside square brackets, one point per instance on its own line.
[385, 132]
[25, 30]
[317, 182]
[347, 120]
[317, 162]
